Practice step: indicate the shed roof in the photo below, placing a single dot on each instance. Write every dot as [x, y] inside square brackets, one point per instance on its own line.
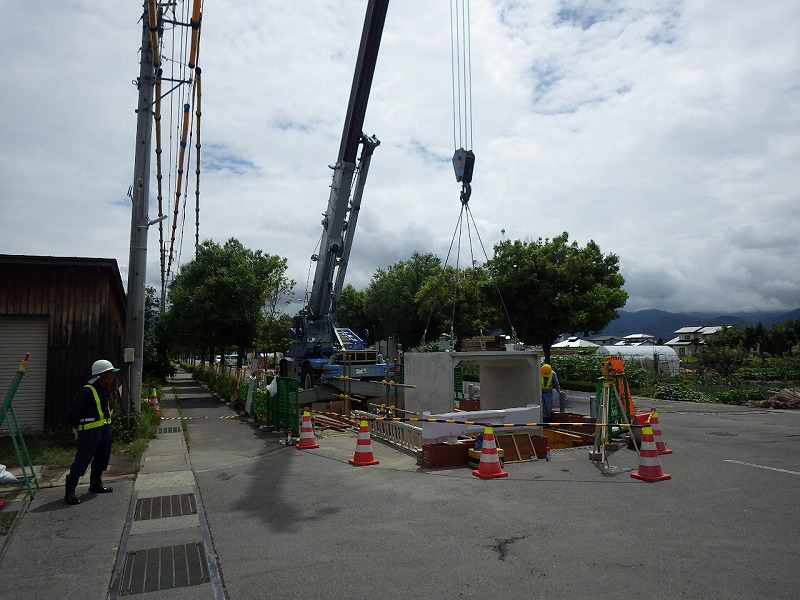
[107, 264]
[575, 342]
[689, 329]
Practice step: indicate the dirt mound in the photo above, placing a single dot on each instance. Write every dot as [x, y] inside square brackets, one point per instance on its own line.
[785, 398]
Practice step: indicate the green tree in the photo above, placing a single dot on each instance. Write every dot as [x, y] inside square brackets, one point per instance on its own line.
[754, 337]
[724, 352]
[553, 286]
[273, 336]
[778, 340]
[458, 300]
[350, 312]
[390, 303]
[217, 300]
[273, 333]
[781, 337]
[156, 364]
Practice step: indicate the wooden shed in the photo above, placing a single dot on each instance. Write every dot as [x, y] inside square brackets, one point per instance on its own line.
[68, 313]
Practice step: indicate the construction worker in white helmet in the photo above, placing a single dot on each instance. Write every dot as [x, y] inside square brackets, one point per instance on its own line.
[90, 417]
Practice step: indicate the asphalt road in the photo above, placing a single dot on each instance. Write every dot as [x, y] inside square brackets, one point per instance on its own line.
[306, 524]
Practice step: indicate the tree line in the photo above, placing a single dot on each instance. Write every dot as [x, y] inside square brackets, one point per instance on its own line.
[727, 350]
[229, 296]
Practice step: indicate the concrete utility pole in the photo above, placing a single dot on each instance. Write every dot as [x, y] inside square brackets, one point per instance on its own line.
[137, 263]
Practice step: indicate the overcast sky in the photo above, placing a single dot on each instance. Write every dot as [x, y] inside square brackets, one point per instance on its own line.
[668, 132]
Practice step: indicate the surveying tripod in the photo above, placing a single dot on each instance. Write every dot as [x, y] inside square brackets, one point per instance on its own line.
[607, 413]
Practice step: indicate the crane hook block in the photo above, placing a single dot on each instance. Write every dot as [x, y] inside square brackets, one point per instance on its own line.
[463, 163]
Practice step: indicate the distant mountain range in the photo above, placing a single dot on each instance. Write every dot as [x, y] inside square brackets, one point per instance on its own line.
[663, 325]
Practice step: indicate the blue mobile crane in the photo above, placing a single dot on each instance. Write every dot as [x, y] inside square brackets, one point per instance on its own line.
[319, 349]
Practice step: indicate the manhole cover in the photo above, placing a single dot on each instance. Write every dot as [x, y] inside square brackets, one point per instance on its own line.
[164, 568]
[722, 433]
[162, 507]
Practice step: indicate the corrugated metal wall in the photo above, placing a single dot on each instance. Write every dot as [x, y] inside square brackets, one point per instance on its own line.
[18, 336]
[84, 304]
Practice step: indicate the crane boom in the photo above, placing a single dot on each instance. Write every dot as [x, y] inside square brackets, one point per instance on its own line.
[362, 78]
[318, 347]
[334, 219]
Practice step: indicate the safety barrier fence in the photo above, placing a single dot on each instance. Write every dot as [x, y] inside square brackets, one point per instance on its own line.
[396, 432]
[378, 418]
[401, 431]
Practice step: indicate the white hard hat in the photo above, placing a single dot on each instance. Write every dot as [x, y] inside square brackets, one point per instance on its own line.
[102, 366]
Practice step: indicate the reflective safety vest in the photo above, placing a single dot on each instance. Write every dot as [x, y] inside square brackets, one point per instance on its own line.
[103, 420]
[547, 382]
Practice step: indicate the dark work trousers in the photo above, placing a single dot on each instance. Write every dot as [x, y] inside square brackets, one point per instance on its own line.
[547, 404]
[94, 446]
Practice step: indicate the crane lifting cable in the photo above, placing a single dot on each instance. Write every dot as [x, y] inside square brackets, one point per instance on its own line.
[466, 220]
[461, 67]
[463, 158]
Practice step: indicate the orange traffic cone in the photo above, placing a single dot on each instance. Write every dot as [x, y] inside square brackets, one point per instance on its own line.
[363, 456]
[489, 467]
[649, 465]
[307, 439]
[660, 445]
[154, 402]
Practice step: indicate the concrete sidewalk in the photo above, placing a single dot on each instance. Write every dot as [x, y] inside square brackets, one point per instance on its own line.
[129, 542]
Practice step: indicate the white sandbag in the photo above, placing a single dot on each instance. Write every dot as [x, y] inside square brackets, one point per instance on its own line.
[7, 476]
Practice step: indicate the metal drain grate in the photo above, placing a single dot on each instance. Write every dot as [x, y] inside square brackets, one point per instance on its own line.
[722, 433]
[156, 569]
[165, 506]
[168, 429]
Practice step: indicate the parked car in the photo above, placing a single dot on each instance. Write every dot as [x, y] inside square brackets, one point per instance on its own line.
[227, 359]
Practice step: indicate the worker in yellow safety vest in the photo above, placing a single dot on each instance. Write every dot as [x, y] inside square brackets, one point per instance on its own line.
[90, 418]
[549, 381]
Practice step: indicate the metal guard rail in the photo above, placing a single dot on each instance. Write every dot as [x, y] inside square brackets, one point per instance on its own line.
[398, 433]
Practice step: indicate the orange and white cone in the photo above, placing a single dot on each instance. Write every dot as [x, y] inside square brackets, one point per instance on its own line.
[363, 456]
[649, 465]
[154, 402]
[489, 467]
[660, 445]
[307, 439]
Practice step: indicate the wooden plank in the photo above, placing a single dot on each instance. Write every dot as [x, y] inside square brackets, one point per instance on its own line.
[326, 422]
[524, 445]
[506, 442]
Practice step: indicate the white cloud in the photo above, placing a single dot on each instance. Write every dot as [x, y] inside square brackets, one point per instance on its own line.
[666, 132]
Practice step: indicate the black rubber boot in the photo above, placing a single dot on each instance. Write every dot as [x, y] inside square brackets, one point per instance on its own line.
[69, 494]
[96, 486]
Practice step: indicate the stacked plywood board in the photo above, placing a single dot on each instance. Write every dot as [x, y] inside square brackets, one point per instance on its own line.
[521, 446]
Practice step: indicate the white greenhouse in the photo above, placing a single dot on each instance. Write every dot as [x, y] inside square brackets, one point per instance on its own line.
[660, 359]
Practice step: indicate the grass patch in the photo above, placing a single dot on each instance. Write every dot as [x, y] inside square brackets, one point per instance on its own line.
[54, 449]
[6, 521]
[132, 434]
[129, 435]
